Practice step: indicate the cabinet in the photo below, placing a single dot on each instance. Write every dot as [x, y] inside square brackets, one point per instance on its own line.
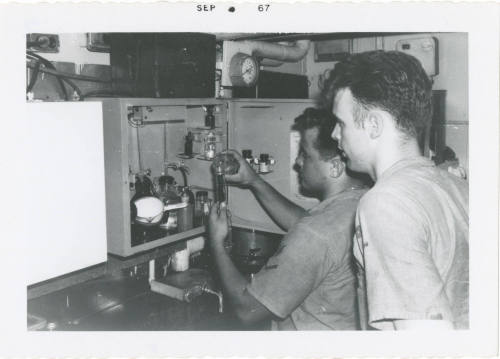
[146, 135]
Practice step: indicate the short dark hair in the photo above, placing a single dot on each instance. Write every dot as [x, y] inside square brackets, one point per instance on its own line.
[324, 121]
[390, 80]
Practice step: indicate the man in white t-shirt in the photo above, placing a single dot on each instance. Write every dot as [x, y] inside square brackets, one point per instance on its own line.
[412, 228]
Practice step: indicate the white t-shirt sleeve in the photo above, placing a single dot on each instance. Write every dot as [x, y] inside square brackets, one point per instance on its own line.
[402, 280]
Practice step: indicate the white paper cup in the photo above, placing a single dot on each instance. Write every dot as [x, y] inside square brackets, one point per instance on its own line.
[180, 260]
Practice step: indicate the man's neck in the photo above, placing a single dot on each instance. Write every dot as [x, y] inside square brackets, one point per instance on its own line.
[389, 155]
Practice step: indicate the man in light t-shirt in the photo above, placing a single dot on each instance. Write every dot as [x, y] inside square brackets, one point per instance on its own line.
[412, 228]
[309, 283]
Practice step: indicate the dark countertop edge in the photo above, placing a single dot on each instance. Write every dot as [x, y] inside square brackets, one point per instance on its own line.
[112, 267]
[66, 280]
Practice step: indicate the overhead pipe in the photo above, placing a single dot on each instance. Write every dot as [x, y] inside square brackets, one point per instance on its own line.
[271, 63]
[275, 54]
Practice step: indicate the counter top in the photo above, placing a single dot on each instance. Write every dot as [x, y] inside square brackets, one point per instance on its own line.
[125, 304]
[121, 300]
[112, 267]
[116, 295]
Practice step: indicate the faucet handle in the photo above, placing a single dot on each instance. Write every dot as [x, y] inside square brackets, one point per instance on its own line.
[193, 292]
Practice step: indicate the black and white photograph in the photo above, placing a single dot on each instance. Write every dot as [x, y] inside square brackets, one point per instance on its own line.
[251, 179]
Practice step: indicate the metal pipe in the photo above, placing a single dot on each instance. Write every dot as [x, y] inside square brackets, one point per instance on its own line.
[285, 53]
[271, 63]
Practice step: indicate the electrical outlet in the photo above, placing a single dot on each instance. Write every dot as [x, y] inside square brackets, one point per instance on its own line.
[42, 42]
[98, 42]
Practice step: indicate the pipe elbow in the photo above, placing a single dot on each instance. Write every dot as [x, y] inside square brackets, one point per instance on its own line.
[280, 52]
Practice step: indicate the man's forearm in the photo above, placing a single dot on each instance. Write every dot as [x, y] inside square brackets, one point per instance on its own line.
[233, 281]
[280, 208]
[234, 284]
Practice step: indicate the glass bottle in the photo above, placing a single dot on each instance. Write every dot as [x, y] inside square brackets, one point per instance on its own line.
[220, 185]
[210, 118]
[210, 146]
[201, 199]
[188, 145]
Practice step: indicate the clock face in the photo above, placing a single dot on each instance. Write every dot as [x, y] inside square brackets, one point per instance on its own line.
[249, 70]
[243, 70]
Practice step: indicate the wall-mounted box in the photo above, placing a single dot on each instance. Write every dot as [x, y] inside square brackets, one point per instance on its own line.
[425, 49]
[42, 42]
[332, 50]
[98, 42]
[163, 65]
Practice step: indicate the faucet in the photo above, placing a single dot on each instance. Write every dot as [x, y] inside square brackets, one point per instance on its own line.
[219, 296]
[180, 166]
[198, 290]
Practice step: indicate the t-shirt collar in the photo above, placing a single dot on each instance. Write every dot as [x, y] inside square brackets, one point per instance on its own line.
[406, 162]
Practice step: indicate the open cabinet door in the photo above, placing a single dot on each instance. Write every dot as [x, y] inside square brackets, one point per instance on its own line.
[264, 126]
[65, 227]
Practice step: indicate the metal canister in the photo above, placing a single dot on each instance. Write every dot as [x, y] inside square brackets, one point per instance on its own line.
[185, 216]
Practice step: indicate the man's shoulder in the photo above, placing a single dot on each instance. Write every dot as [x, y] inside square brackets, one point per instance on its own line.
[340, 205]
[415, 184]
[331, 219]
[383, 196]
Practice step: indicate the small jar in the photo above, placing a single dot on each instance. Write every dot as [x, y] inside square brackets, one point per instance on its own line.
[247, 156]
[264, 163]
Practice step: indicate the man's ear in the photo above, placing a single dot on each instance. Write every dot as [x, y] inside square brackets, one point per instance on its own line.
[374, 123]
[337, 167]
